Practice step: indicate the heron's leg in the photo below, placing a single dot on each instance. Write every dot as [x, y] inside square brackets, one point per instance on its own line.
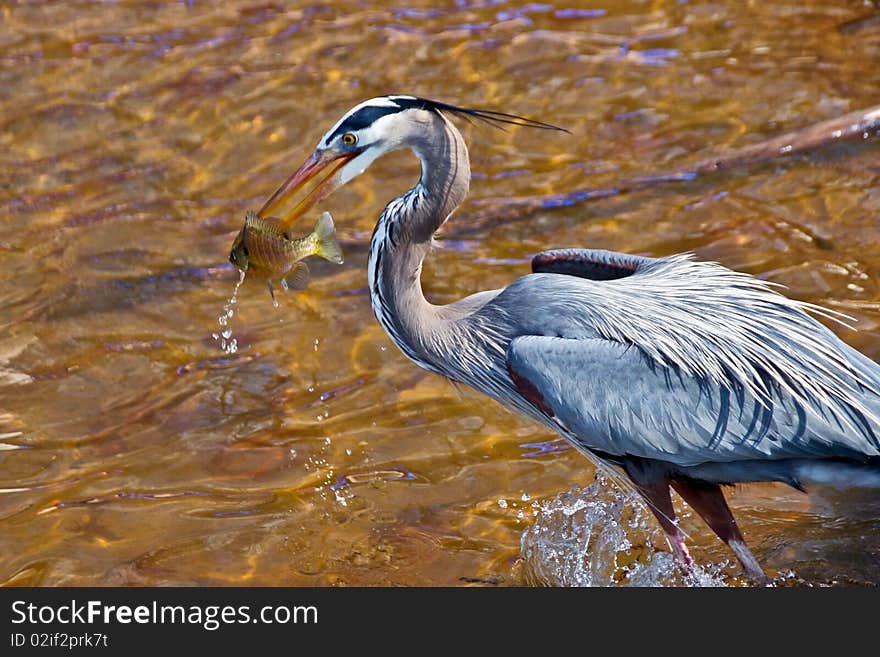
[655, 489]
[707, 499]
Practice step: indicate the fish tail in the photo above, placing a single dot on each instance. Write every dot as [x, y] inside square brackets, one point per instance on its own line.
[326, 245]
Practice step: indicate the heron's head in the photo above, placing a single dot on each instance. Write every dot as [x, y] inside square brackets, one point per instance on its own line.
[365, 133]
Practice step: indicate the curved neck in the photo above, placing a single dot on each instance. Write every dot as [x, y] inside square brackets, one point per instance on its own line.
[404, 234]
[446, 178]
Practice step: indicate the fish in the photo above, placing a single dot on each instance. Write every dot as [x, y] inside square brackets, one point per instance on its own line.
[263, 248]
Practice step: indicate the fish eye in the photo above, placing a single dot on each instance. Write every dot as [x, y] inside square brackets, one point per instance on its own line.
[349, 139]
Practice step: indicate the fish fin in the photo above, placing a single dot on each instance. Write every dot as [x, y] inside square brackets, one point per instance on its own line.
[325, 233]
[297, 278]
[272, 293]
[256, 222]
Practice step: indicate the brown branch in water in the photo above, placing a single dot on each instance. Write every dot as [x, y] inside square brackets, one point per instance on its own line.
[859, 124]
[862, 22]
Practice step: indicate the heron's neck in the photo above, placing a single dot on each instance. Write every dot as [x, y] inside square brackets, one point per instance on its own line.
[403, 238]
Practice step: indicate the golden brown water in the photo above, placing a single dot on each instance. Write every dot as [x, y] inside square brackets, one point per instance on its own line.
[136, 134]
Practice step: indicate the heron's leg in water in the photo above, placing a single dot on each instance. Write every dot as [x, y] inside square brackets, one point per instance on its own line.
[654, 487]
[707, 499]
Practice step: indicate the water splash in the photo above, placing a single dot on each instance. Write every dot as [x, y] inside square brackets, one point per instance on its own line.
[228, 343]
[598, 536]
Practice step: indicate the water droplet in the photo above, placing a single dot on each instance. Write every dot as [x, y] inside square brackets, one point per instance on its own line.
[502, 503]
[227, 342]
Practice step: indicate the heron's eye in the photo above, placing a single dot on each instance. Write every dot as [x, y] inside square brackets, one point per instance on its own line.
[349, 139]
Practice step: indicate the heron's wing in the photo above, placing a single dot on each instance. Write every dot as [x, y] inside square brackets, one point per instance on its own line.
[614, 399]
[701, 319]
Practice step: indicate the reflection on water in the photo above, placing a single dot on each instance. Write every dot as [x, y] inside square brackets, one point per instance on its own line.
[134, 449]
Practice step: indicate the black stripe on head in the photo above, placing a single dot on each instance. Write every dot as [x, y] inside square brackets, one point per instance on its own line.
[363, 118]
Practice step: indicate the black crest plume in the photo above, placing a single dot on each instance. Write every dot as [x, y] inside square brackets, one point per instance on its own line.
[491, 117]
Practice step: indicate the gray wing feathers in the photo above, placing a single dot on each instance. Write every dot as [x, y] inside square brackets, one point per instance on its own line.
[614, 398]
[707, 322]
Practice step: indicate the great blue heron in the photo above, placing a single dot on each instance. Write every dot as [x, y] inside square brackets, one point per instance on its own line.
[677, 372]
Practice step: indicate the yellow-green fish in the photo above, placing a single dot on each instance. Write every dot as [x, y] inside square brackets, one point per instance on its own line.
[264, 250]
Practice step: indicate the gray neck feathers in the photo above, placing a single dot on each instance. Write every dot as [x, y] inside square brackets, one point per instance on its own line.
[404, 234]
[446, 177]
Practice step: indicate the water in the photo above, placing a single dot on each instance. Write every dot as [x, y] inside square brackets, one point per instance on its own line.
[138, 450]
[598, 536]
[228, 343]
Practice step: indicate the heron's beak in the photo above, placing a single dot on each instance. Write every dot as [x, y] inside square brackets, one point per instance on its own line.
[317, 162]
